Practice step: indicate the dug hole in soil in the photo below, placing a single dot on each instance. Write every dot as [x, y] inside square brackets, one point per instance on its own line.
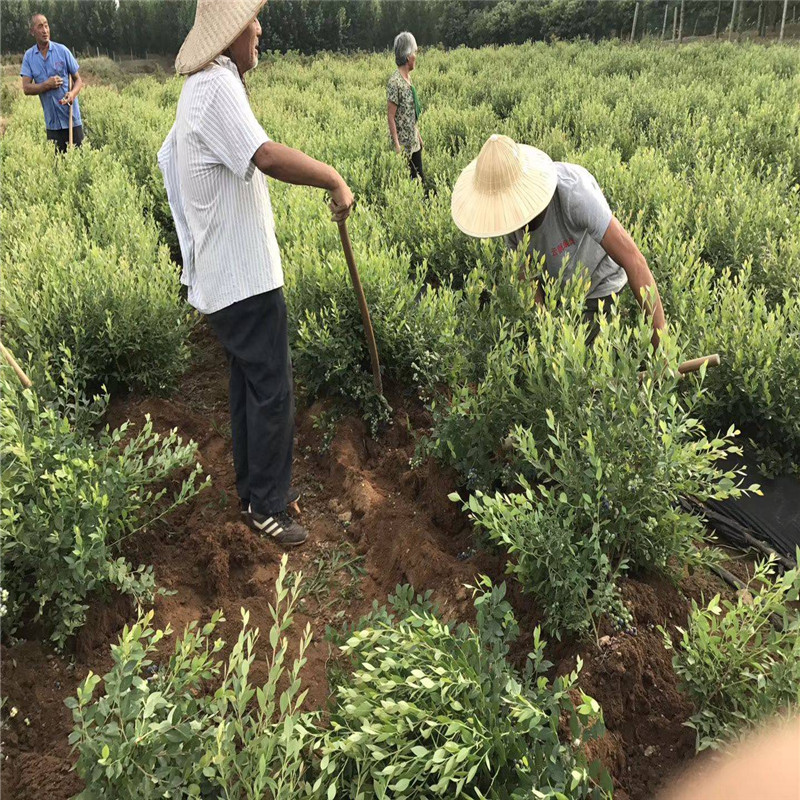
[374, 522]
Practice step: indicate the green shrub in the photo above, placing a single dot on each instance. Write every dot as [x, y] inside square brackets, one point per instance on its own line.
[740, 661]
[9, 94]
[70, 498]
[104, 69]
[424, 228]
[757, 385]
[429, 709]
[133, 138]
[154, 733]
[486, 393]
[83, 266]
[706, 161]
[610, 457]
[435, 710]
[416, 330]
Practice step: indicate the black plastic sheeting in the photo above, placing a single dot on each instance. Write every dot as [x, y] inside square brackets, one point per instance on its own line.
[773, 517]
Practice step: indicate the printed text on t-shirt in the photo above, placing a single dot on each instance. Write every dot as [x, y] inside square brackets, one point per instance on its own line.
[557, 251]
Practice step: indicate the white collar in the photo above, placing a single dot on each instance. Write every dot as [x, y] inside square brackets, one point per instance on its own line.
[227, 63]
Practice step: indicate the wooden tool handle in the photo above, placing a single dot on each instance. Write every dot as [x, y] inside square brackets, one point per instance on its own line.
[362, 304]
[70, 114]
[694, 364]
[24, 379]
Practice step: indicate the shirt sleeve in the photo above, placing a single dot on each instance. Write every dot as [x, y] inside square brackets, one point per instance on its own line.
[586, 207]
[230, 130]
[72, 62]
[25, 70]
[393, 91]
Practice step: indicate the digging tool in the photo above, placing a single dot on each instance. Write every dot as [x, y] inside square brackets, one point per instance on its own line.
[362, 304]
[24, 379]
[70, 114]
[693, 365]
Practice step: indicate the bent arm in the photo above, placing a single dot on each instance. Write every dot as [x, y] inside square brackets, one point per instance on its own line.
[77, 85]
[391, 113]
[619, 244]
[293, 166]
[29, 87]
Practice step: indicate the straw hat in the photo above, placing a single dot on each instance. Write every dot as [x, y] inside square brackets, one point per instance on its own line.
[217, 25]
[504, 188]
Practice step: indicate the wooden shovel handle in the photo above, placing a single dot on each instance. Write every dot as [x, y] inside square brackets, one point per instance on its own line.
[24, 379]
[70, 114]
[362, 304]
[694, 364]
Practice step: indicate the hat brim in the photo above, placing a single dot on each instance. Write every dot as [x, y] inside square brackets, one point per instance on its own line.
[205, 42]
[485, 215]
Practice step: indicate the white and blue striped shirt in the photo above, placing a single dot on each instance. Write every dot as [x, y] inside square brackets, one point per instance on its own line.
[219, 200]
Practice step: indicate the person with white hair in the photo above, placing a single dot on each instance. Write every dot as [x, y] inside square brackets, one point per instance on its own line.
[402, 104]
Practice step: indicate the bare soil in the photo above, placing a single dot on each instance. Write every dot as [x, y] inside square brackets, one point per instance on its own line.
[363, 501]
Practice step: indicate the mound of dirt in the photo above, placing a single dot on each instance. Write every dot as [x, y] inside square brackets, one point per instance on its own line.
[375, 522]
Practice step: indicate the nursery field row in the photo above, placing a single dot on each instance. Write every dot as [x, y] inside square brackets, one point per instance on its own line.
[697, 151]
[566, 464]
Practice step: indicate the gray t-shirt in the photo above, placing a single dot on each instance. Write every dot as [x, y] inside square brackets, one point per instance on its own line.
[576, 221]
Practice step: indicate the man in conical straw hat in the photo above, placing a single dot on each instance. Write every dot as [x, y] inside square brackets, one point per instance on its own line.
[513, 189]
[215, 161]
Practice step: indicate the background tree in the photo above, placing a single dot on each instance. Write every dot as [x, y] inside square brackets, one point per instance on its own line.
[139, 27]
[14, 25]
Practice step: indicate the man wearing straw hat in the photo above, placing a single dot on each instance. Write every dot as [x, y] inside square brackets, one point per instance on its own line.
[214, 162]
[513, 189]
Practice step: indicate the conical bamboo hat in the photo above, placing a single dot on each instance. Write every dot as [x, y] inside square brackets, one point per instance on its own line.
[504, 188]
[217, 24]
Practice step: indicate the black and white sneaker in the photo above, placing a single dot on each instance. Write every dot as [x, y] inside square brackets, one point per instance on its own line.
[292, 497]
[280, 527]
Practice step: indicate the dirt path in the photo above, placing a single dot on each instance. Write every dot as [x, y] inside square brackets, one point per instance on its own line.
[374, 522]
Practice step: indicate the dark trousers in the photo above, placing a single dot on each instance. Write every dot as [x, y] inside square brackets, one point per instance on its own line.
[61, 138]
[416, 165]
[592, 314]
[255, 335]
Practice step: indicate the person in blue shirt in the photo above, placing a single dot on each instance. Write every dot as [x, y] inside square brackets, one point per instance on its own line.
[46, 70]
